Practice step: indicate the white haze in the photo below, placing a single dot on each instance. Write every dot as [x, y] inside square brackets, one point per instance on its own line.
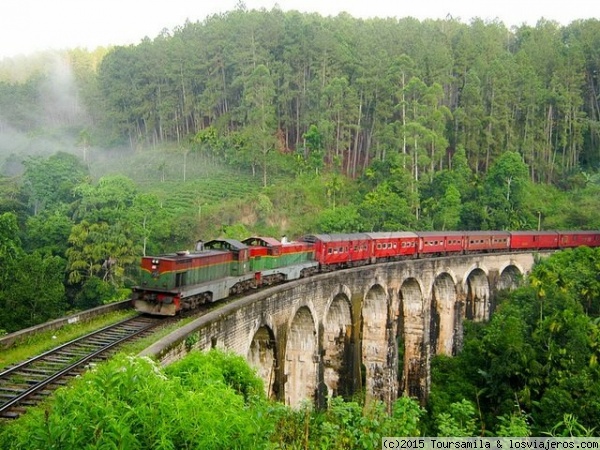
[28, 26]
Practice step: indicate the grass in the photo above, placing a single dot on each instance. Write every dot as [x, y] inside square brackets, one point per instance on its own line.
[39, 343]
[138, 345]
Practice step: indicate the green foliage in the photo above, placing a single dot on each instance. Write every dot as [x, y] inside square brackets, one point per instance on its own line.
[31, 285]
[344, 424]
[569, 426]
[459, 421]
[33, 292]
[48, 232]
[515, 424]
[10, 244]
[573, 271]
[448, 216]
[95, 292]
[383, 209]
[49, 182]
[202, 369]
[99, 249]
[209, 400]
[132, 403]
[343, 219]
[505, 188]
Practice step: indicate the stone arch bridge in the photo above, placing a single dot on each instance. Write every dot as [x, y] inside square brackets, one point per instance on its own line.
[371, 329]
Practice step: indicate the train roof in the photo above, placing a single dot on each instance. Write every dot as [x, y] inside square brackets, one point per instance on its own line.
[579, 232]
[523, 233]
[486, 233]
[262, 241]
[225, 244]
[391, 234]
[462, 233]
[339, 237]
[440, 233]
[185, 254]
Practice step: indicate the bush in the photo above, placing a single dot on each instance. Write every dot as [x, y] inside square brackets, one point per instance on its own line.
[131, 403]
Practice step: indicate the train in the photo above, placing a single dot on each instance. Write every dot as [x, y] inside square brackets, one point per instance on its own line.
[220, 268]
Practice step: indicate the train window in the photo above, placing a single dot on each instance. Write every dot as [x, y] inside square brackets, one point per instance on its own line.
[378, 246]
[395, 245]
[330, 251]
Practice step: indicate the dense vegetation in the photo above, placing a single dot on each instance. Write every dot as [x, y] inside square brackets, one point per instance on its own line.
[207, 400]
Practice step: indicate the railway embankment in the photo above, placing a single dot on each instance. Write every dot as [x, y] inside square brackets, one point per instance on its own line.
[10, 339]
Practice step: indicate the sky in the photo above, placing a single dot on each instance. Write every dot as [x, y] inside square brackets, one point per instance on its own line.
[28, 26]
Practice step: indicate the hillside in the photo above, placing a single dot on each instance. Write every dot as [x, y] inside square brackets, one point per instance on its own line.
[272, 123]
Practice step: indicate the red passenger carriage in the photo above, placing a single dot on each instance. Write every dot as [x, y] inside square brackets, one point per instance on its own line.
[533, 240]
[440, 242]
[393, 245]
[486, 241]
[569, 239]
[340, 250]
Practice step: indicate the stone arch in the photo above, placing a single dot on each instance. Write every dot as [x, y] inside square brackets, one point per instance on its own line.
[338, 369]
[477, 306]
[510, 278]
[443, 314]
[374, 344]
[301, 359]
[411, 337]
[262, 355]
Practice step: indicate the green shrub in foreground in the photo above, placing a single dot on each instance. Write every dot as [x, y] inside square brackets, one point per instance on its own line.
[131, 403]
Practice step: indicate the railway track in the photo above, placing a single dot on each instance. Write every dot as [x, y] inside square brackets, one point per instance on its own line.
[27, 383]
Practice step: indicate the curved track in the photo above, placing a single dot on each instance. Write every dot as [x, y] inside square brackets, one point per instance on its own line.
[27, 383]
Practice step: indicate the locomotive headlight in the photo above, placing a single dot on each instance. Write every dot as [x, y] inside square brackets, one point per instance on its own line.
[155, 261]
